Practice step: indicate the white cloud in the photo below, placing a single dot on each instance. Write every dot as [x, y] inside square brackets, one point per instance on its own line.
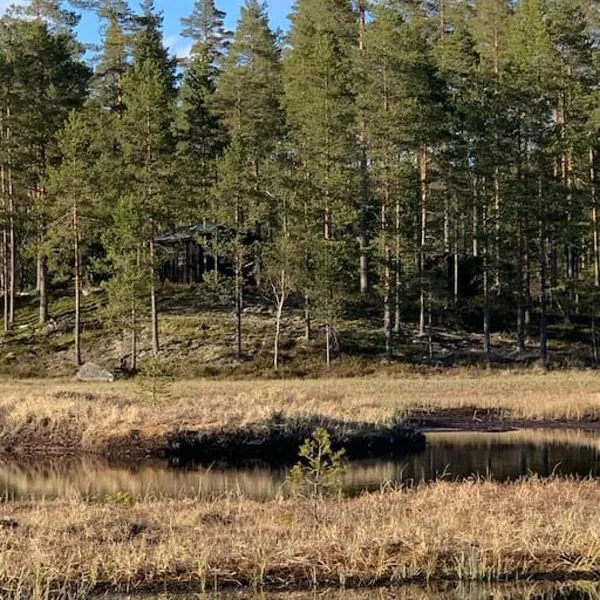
[178, 46]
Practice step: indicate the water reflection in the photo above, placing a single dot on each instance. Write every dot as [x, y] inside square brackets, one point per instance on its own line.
[503, 456]
[525, 591]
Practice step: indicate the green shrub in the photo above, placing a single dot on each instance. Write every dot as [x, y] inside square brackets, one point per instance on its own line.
[319, 471]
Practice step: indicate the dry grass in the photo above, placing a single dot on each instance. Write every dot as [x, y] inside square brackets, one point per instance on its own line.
[100, 417]
[458, 531]
[95, 416]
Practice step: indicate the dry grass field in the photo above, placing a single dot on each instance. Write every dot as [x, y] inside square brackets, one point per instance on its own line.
[458, 531]
[469, 531]
[74, 416]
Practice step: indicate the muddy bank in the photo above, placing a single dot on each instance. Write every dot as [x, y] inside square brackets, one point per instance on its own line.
[298, 584]
[472, 418]
[428, 590]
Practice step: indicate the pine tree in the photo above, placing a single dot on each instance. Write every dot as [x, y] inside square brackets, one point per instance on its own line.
[201, 135]
[205, 27]
[401, 97]
[320, 101]
[250, 93]
[76, 208]
[51, 12]
[148, 44]
[112, 61]
[530, 67]
[50, 81]
[147, 144]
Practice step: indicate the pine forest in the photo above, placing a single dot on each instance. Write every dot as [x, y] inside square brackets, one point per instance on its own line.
[393, 181]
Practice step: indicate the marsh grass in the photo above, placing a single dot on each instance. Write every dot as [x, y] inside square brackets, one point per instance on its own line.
[99, 418]
[102, 418]
[467, 531]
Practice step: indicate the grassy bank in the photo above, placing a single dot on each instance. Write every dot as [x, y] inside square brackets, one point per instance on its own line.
[446, 531]
[120, 418]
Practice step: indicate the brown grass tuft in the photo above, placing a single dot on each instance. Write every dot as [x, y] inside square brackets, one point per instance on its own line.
[456, 531]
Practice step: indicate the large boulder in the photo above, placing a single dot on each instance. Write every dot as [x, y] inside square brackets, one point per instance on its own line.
[92, 372]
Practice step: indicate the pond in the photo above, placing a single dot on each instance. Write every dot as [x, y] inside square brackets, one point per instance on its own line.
[450, 455]
[450, 591]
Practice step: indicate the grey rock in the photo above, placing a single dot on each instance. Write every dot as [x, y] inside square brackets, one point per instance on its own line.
[93, 372]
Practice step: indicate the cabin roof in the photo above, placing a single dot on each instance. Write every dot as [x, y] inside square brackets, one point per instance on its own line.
[188, 233]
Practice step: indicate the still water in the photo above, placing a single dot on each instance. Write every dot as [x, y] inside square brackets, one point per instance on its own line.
[523, 591]
[450, 455]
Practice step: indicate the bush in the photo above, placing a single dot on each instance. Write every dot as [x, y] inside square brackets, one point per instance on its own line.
[319, 471]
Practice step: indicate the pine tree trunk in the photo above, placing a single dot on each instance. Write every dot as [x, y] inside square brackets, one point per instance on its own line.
[5, 284]
[364, 169]
[429, 326]
[594, 340]
[153, 299]
[397, 270]
[238, 306]
[43, 288]
[5, 251]
[456, 267]
[215, 247]
[133, 360]
[10, 291]
[12, 252]
[497, 223]
[527, 286]
[475, 227]
[520, 289]
[542, 277]
[387, 284]
[596, 234]
[424, 192]
[387, 301]
[487, 343]
[280, 298]
[77, 256]
[328, 344]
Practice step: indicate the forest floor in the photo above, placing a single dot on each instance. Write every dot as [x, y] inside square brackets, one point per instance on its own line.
[127, 418]
[197, 338]
[453, 531]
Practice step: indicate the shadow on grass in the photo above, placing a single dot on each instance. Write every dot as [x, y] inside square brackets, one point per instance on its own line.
[276, 441]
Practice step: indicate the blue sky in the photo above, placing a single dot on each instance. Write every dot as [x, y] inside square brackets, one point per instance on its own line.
[175, 9]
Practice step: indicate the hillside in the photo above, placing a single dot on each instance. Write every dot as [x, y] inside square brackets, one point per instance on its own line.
[198, 339]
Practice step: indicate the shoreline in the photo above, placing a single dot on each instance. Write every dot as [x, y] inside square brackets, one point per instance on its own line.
[279, 586]
[61, 417]
[258, 443]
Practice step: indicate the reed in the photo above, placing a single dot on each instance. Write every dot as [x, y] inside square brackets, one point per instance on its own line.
[467, 531]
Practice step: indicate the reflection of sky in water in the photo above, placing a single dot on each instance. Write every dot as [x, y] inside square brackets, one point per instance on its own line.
[451, 455]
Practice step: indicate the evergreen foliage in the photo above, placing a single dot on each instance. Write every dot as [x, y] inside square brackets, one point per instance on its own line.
[424, 159]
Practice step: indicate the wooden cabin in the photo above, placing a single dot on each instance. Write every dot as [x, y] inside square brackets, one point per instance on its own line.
[186, 254]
